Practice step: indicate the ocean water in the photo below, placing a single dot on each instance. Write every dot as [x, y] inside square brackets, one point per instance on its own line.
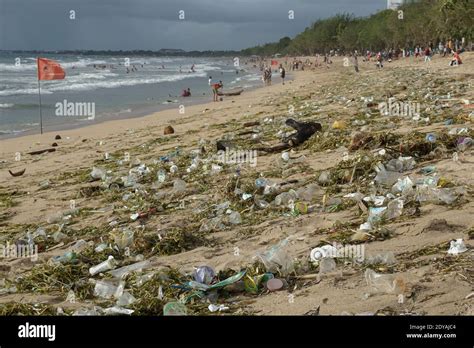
[156, 84]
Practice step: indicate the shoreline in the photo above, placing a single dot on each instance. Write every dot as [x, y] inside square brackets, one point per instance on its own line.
[141, 111]
[164, 116]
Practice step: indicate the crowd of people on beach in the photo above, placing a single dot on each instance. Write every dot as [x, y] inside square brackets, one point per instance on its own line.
[451, 48]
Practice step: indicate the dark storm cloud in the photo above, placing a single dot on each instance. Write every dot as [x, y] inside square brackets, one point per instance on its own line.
[154, 24]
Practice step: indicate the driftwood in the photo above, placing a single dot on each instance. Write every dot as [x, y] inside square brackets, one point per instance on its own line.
[20, 173]
[304, 131]
[247, 132]
[276, 148]
[39, 152]
[251, 124]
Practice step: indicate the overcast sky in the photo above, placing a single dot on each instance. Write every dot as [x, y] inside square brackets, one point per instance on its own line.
[154, 24]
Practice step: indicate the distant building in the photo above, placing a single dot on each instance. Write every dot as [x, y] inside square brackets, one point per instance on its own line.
[394, 4]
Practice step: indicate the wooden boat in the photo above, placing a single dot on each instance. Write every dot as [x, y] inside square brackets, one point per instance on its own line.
[230, 92]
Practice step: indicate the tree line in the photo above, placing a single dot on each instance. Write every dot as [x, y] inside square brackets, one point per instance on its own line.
[422, 22]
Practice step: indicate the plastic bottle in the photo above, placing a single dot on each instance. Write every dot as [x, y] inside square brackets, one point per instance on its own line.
[104, 289]
[69, 257]
[80, 245]
[103, 266]
[120, 272]
[161, 176]
[101, 247]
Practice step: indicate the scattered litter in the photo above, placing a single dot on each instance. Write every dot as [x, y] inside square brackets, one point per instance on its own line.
[175, 308]
[274, 284]
[103, 266]
[457, 247]
[214, 308]
[276, 259]
[385, 283]
[204, 275]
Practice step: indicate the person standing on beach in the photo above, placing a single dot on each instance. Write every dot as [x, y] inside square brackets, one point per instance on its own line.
[379, 60]
[282, 74]
[215, 90]
[210, 80]
[356, 63]
[427, 54]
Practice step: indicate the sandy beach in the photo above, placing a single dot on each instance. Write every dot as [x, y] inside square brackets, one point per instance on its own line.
[176, 230]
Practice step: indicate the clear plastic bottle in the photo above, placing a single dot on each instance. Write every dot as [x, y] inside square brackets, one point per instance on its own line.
[103, 266]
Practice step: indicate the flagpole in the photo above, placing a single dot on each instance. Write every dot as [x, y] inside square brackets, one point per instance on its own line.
[41, 115]
[39, 95]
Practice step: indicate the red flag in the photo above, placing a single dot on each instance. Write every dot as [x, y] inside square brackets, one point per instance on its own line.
[274, 62]
[50, 70]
